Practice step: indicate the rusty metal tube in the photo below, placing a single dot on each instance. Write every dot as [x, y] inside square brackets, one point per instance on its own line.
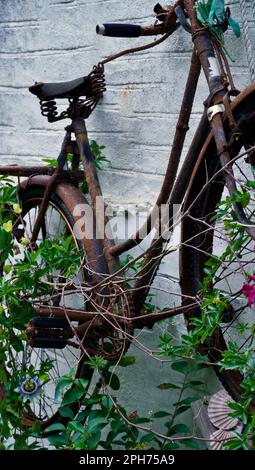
[91, 177]
[146, 319]
[182, 127]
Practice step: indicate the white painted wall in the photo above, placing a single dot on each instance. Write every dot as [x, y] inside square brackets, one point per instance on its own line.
[55, 40]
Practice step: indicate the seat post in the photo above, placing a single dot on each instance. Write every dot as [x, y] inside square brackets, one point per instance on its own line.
[79, 128]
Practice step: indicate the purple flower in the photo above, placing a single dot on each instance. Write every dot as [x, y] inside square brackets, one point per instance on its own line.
[249, 292]
[29, 387]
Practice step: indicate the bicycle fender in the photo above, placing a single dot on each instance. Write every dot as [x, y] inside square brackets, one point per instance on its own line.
[84, 220]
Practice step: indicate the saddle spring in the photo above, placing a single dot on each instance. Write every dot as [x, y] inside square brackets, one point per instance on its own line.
[97, 88]
[49, 109]
[97, 78]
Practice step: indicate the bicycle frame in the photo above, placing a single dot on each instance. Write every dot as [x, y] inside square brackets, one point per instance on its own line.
[173, 188]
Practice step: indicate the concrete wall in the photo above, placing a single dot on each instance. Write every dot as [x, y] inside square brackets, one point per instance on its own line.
[55, 40]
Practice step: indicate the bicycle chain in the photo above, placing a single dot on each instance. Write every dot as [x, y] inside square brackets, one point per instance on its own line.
[112, 339]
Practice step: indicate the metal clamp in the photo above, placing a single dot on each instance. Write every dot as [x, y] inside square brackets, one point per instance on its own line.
[217, 108]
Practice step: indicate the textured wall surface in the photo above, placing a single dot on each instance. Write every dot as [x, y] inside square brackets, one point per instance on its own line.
[55, 40]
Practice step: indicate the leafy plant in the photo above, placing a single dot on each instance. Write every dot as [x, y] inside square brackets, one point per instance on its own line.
[212, 14]
[97, 150]
[102, 422]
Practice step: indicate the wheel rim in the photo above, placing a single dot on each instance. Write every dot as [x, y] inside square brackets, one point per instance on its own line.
[30, 362]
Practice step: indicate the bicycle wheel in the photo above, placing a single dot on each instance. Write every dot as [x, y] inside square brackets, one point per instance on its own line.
[204, 237]
[58, 224]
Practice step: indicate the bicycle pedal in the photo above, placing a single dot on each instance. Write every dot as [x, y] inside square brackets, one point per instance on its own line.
[50, 343]
[47, 332]
[49, 322]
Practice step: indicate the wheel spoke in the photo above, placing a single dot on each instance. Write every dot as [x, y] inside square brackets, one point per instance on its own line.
[55, 224]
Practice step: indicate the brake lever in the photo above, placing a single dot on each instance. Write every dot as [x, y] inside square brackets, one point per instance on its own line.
[182, 19]
[163, 12]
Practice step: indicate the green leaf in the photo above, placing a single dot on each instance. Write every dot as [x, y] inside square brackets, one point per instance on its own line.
[186, 401]
[179, 429]
[180, 366]
[140, 420]
[66, 412]
[167, 386]
[200, 365]
[93, 441]
[17, 344]
[161, 414]
[58, 440]
[116, 425]
[171, 446]
[182, 409]
[76, 427]
[52, 162]
[127, 361]
[95, 423]
[61, 385]
[193, 383]
[234, 444]
[3, 376]
[71, 396]
[97, 362]
[147, 438]
[235, 27]
[112, 380]
[55, 427]
[250, 184]
[82, 384]
[191, 443]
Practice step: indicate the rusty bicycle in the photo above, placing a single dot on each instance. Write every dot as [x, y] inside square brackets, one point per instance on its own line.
[103, 321]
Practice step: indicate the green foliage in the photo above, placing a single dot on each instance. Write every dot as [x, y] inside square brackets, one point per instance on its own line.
[131, 263]
[25, 280]
[100, 159]
[100, 162]
[60, 254]
[23, 275]
[97, 362]
[215, 304]
[101, 422]
[97, 150]
[212, 14]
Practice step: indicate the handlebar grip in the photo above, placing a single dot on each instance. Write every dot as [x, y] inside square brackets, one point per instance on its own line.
[119, 30]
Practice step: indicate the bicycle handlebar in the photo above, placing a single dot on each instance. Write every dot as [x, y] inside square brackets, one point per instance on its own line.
[130, 30]
[169, 18]
[119, 30]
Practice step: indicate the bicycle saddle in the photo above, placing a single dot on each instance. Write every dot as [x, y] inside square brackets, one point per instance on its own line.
[72, 89]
